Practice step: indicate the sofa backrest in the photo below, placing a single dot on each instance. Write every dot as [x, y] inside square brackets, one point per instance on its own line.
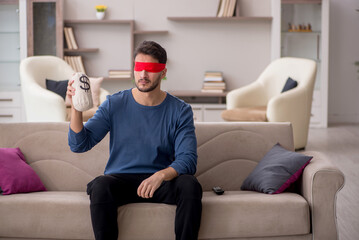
[227, 152]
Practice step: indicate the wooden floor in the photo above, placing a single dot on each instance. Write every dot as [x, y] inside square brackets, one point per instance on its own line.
[340, 142]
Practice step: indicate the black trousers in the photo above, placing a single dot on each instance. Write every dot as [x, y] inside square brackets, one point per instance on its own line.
[108, 192]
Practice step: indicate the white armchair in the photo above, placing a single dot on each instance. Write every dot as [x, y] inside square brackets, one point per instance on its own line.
[265, 93]
[42, 105]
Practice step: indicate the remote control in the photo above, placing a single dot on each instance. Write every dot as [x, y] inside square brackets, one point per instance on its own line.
[218, 190]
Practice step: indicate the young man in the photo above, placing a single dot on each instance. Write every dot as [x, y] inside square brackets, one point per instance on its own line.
[153, 149]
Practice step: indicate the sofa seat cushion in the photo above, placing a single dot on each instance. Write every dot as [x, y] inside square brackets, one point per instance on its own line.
[238, 214]
[52, 214]
[235, 214]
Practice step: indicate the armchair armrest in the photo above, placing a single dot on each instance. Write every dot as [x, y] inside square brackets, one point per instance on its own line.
[289, 106]
[320, 184]
[251, 95]
[292, 106]
[52, 105]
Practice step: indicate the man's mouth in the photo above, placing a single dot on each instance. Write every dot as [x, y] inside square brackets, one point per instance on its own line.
[143, 81]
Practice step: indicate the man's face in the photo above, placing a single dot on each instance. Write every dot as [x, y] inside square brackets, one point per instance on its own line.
[148, 81]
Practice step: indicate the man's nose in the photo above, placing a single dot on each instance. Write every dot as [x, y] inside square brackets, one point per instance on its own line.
[143, 73]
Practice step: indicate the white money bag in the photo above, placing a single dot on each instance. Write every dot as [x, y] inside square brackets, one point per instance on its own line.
[82, 100]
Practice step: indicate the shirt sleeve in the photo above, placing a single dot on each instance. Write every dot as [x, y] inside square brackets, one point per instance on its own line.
[185, 143]
[94, 130]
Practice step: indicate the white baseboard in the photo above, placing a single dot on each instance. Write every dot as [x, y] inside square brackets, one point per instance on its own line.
[343, 118]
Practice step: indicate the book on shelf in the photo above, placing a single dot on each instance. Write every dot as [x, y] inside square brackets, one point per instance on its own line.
[213, 82]
[213, 76]
[231, 8]
[76, 63]
[227, 8]
[67, 38]
[80, 64]
[119, 73]
[213, 89]
[221, 8]
[70, 38]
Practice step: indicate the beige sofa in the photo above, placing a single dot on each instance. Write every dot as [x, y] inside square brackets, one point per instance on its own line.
[227, 152]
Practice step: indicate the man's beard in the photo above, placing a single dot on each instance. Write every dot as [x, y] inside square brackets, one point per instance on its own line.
[150, 88]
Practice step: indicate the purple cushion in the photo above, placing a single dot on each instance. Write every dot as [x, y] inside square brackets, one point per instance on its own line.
[16, 176]
[277, 170]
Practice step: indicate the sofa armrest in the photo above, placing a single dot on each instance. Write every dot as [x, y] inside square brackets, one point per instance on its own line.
[320, 184]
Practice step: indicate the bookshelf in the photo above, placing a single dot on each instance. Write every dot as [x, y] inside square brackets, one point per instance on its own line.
[148, 32]
[219, 19]
[132, 33]
[108, 25]
[313, 45]
[301, 1]
[194, 96]
[81, 50]
[11, 109]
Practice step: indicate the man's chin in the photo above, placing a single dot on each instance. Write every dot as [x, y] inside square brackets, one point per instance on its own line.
[145, 89]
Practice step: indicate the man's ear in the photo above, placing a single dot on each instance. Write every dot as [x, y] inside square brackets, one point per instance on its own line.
[163, 73]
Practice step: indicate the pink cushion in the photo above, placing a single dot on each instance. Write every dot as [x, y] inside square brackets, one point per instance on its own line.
[16, 176]
[95, 90]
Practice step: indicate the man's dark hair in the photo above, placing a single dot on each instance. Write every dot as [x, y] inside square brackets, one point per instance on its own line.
[153, 49]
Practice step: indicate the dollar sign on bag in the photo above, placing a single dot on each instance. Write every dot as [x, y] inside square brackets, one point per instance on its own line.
[86, 83]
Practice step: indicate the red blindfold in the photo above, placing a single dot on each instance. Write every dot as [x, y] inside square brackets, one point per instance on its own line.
[149, 66]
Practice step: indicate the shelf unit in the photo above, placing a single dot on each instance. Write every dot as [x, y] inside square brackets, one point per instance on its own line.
[201, 97]
[76, 23]
[148, 32]
[10, 94]
[81, 50]
[9, 46]
[312, 45]
[301, 1]
[132, 33]
[206, 106]
[219, 18]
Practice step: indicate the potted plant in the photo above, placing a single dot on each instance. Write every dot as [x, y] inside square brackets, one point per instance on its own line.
[100, 11]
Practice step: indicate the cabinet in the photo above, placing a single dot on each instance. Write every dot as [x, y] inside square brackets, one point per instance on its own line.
[206, 107]
[9, 46]
[10, 106]
[207, 112]
[45, 27]
[304, 32]
[10, 95]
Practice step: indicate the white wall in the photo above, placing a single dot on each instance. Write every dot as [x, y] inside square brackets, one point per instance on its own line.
[241, 50]
[343, 52]
[251, 44]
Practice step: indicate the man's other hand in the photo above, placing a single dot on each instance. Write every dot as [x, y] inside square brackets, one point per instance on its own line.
[148, 186]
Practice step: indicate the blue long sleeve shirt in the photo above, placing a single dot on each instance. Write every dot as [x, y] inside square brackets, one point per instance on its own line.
[143, 139]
